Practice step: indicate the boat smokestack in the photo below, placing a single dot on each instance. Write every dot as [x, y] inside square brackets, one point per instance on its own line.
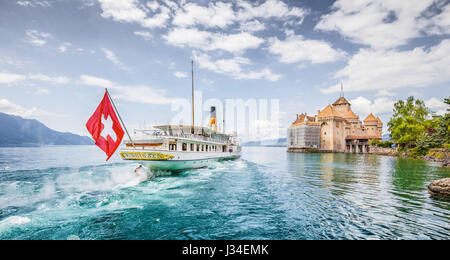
[212, 120]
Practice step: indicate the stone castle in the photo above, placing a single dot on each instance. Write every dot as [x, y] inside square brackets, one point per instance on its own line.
[334, 129]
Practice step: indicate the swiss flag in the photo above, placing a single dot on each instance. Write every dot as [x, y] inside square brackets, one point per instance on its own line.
[105, 127]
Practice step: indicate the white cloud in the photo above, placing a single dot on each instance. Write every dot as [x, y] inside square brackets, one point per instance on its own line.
[379, 106]
[49, 79]
[236, 42]
[387, 69]
[383, 24]
[217, 14]
[188, 37]
[34, 3]
[252, 26]
[437, 106]
[128, 11]
[180, 74]
[63, 46]
[37, 38]
[269, 9]
[222, 15]
[10, 78]
[208, 41]
[440, 24]
[295, 49]
[137, 93]
[8, 107]
[233, 67]
[110, 55]
[146, 35]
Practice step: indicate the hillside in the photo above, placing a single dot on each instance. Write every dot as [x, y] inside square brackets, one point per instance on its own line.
[18, 131]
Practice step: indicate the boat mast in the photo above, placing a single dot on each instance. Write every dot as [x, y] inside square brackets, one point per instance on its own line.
[192, 65]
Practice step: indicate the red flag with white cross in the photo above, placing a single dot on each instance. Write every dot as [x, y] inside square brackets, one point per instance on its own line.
[105, 127]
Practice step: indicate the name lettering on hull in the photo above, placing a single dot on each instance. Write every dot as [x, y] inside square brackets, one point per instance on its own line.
[145, 156]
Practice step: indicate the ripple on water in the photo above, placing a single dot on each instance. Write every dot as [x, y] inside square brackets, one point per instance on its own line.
[268, 194]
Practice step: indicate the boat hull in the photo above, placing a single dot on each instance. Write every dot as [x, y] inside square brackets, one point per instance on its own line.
[175, 161]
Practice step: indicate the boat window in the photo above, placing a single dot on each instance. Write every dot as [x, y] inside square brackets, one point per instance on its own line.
[207, 148]
[203, 147]
[192, 147]
[198, 147]
[184, 147]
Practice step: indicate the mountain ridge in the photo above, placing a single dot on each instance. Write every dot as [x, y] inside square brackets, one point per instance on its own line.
[16, 131]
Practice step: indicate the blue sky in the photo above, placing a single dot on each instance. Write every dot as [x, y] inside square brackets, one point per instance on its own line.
[56, 56]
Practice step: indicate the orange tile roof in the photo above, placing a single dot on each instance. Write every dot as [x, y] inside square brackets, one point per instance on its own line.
[341, 101]
[370, 117]
[301, 120]
[329, 111]
[350, 115]
[379, 121]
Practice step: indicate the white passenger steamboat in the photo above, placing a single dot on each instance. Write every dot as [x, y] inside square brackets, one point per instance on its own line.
[180, 147]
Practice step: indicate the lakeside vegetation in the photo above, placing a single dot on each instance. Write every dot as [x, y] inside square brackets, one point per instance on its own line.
[415, 129]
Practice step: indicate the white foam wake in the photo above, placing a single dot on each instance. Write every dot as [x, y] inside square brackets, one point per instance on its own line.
[14, 220]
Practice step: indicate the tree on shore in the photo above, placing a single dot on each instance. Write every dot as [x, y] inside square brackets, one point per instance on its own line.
[409, 121]
[442, 134]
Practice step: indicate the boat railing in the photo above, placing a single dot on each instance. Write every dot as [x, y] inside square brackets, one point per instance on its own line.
[157, 133]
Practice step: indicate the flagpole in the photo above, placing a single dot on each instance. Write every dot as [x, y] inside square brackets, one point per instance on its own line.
[112, 101]
[192, 64]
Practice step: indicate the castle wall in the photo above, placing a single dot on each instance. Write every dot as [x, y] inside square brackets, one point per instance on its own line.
[326, 135]
[339, 136]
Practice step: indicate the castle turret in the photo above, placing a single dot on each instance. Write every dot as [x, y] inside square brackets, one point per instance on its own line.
[342, 106]
[371, 125]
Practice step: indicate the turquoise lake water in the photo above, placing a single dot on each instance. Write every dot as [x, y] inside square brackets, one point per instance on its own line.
[69, 192]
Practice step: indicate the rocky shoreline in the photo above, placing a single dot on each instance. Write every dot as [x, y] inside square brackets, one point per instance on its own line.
[440, 155]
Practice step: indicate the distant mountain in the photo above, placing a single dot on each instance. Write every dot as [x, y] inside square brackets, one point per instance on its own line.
[18, 131]
[281, 142]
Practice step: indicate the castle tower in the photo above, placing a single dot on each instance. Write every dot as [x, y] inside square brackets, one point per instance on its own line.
[341, 105]
[353, 122]
[371, 125]
[332, 130]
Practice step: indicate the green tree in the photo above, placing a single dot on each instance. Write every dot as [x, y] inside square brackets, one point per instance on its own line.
[409, 121]
[442, 134]
[423, 143]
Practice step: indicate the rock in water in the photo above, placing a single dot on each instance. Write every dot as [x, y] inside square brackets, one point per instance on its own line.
[440, 188]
